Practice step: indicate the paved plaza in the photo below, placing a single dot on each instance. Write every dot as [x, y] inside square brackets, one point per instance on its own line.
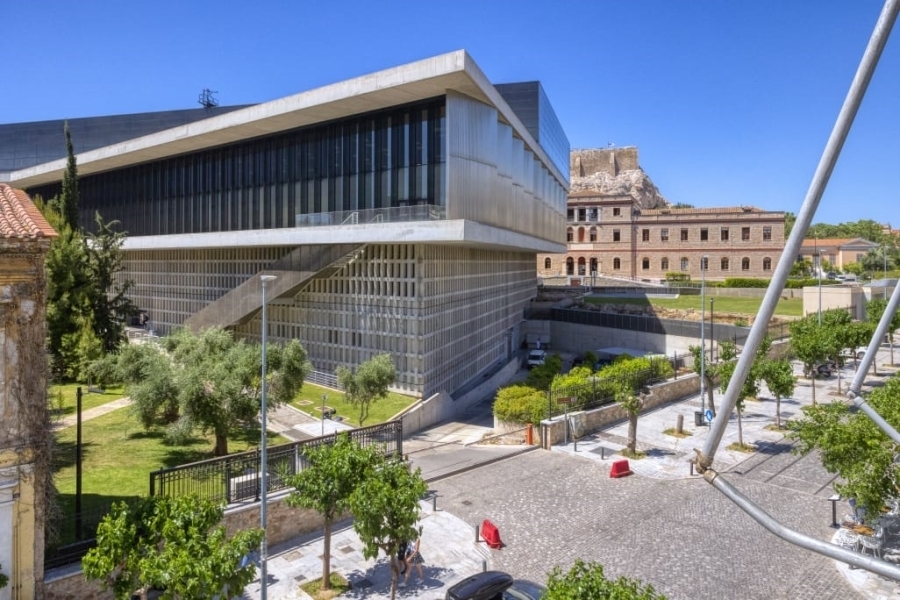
[661, 525]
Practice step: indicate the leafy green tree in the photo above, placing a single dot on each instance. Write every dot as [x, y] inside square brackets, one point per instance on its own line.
[779, 377]
[331, 473]
[789, 220]
[864, 228]
[853, 447]
[368, 383]
[209, 381]
[750, 387]
[110, 305]
[541, 376]
[810, 345]
[174, 544]
[4, 580]
[385, 507]
[587, 580]
[874, 311]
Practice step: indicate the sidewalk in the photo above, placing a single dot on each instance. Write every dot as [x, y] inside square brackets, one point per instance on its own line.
[448, 547]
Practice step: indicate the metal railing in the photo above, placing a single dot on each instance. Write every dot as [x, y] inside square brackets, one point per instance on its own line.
[235, 478]
[324, 379]
[397, 214]
[600, 390]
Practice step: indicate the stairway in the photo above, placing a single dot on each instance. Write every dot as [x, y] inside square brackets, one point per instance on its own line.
[293, 271]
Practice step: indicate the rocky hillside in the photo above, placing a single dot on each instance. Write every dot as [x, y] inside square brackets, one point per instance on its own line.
[614, 171]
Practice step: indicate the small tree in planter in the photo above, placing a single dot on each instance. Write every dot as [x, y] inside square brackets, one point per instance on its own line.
[631, 403]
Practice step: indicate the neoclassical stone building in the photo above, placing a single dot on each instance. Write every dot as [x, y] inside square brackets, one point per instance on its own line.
[24, 423]
[611, 235]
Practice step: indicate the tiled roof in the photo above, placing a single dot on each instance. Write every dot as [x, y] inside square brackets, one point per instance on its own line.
[20, 218]
[813, 242]
[704, 211]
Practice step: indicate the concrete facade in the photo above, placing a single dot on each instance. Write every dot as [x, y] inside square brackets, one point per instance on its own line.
[416, 237]
[610, 235]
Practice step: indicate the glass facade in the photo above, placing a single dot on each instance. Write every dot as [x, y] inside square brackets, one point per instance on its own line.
[531, 104]
[385, 159]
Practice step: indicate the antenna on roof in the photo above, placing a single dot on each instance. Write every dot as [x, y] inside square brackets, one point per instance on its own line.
[207, 100]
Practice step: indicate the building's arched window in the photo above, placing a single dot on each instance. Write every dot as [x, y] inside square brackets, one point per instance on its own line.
[547, 263]
[593, 234]
[581, 266]
[724, 264]
[617, 264]
[685, 263]
[645, 263]
[570, 266]
[767, 264]
[581, 234]
[704, 263]
[664, 264]
[745, 264]
[570, 236]
[594, 266]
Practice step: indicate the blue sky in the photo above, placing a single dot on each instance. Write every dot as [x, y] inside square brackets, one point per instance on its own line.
[730, 103]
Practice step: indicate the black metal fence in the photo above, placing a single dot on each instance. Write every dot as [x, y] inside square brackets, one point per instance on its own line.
[75, 535]
[236, 478]
[600, 391]
[650, 324]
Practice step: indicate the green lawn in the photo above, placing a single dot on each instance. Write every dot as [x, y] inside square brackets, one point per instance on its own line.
[118, 455]
[62, 398]
[309, 400]
[748, 306]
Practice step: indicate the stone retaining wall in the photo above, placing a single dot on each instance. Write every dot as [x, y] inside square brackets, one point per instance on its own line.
[282, 524]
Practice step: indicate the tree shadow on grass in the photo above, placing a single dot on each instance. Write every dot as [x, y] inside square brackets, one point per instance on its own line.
[64, 453]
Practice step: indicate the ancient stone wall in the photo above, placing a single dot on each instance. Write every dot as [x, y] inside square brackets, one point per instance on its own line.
[611, 161]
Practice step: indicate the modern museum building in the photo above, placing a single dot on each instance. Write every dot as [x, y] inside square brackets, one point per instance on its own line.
[400, 212]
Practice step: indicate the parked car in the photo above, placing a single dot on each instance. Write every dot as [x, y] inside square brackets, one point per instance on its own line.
[535, 358]
[495, 585]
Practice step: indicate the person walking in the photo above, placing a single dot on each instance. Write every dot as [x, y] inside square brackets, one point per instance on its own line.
[402, 549]
[414, 559]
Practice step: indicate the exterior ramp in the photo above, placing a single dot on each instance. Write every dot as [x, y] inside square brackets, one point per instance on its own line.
[294, 270]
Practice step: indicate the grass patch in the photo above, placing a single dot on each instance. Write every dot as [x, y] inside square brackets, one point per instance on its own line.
[62, 398]
[309, 400]
[737, 447]
[339, 585]
[792, 307]
[118, 455]
[774, 427]
[671, 431]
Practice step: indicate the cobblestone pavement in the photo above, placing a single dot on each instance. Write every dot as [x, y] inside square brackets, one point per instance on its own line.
[680, 535]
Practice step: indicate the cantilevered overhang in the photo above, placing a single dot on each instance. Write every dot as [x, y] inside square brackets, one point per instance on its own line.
[395, 86]
[454, 232]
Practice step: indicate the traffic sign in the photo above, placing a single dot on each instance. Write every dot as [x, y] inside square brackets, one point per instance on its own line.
[709, 415]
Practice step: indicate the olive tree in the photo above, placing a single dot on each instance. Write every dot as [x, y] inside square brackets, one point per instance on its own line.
[368, 383]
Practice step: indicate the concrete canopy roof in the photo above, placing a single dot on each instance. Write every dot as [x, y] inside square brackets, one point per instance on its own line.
[404, 84]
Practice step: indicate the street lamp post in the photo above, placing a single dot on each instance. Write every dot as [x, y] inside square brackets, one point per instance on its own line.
[712, 336]
[884, 277]
[703, 261]
[263, 467]
[324, 398]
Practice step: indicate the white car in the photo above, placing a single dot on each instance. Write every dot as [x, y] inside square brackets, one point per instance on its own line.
[535, 358]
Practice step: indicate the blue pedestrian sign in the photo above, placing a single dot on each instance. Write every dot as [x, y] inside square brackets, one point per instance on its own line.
[709, 415]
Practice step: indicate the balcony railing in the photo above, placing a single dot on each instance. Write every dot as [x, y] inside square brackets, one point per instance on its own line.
[397, 214]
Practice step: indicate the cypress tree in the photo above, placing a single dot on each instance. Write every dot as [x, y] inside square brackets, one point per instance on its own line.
[68, 201]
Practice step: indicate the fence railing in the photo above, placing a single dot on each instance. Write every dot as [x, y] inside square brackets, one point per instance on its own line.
[651, 324]
[324, 379]
[72, 542]
[236, 478]
[600, 391]
[395, 214]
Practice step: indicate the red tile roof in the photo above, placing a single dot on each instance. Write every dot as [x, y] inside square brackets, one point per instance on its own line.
[20, 218]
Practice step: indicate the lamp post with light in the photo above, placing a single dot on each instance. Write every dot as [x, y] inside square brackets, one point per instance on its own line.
[263, 467]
